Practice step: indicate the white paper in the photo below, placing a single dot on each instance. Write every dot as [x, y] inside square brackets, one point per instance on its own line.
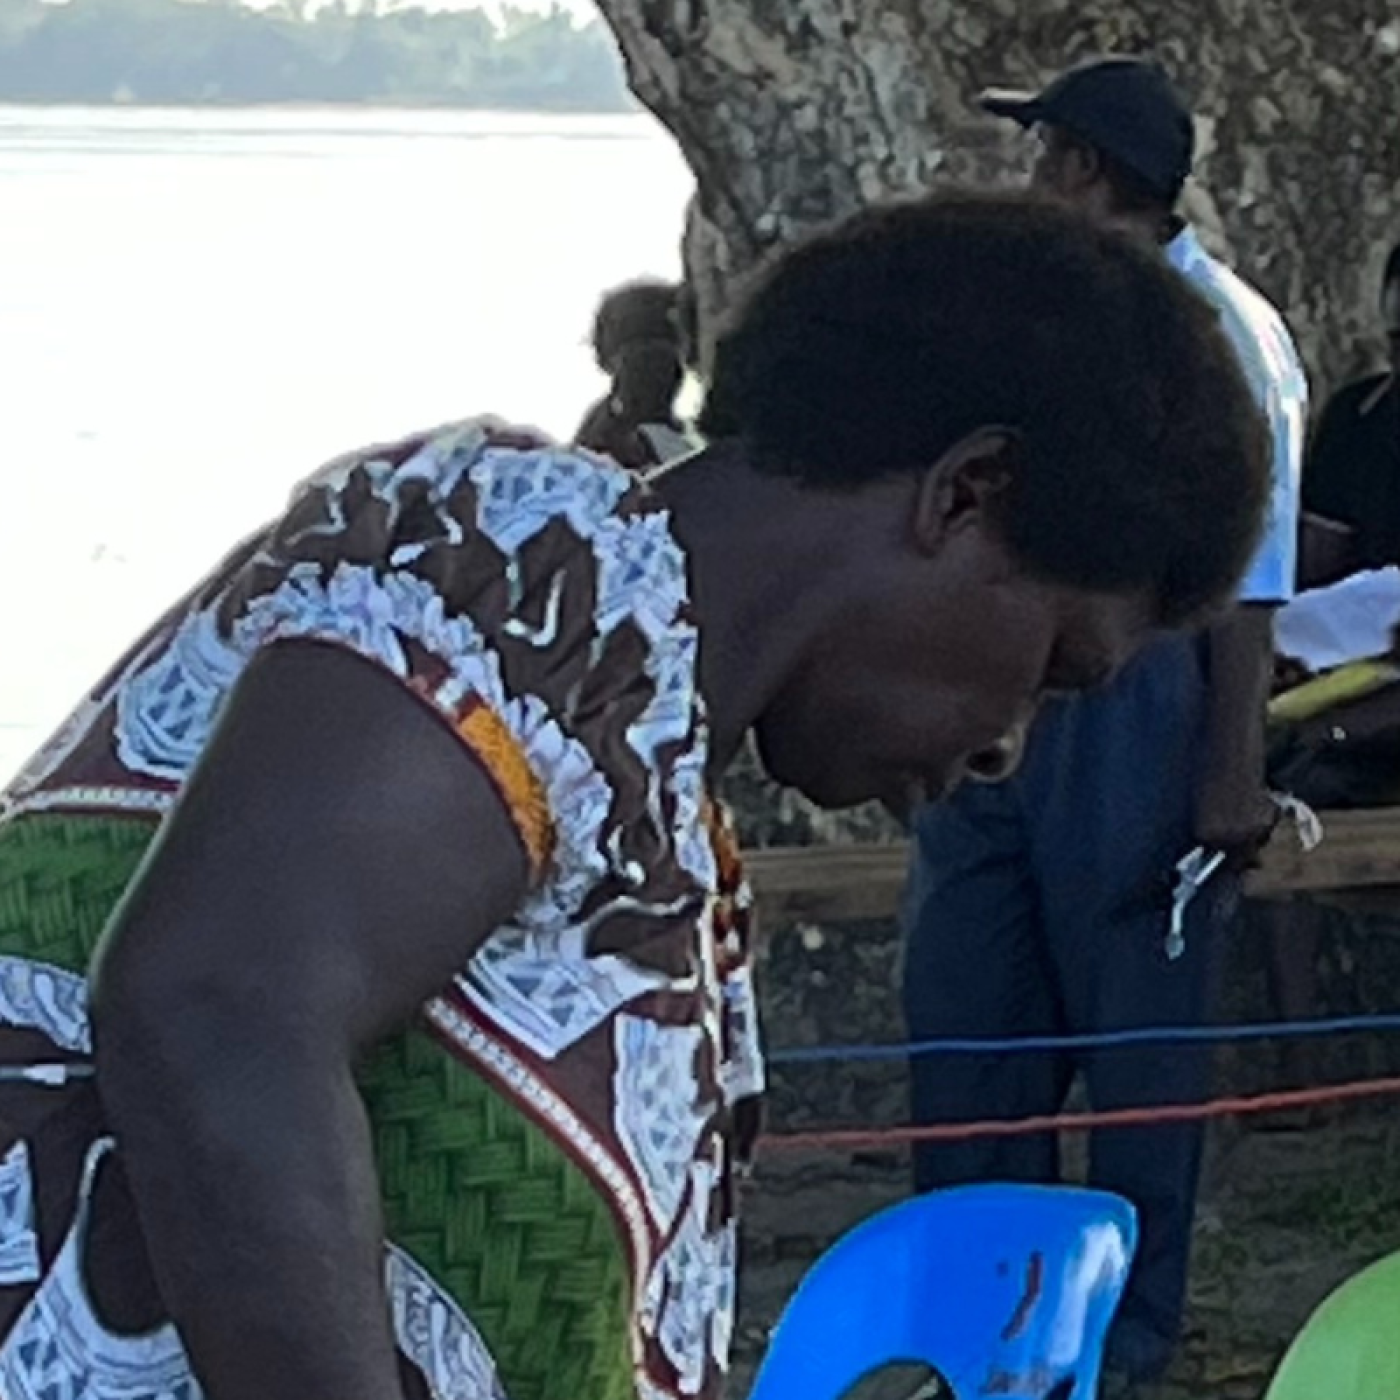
[1348, 621]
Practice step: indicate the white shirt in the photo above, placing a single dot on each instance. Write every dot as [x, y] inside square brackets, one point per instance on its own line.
[1275, 372]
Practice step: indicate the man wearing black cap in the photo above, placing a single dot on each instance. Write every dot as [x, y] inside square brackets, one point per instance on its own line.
[1041, 906]
[1132, 132]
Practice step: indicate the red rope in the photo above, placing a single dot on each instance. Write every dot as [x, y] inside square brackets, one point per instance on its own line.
[855, 1138]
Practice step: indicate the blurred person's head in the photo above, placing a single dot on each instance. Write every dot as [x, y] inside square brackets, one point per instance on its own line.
[1046, 482]
[636, 311]
[647, 376]
[1117, 139]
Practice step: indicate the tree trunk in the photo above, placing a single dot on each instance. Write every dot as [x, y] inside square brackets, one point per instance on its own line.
[793, 112]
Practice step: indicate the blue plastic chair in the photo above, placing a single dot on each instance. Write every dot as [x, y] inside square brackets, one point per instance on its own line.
[1003, 1290]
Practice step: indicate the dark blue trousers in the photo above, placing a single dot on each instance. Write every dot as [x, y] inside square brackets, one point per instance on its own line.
[1040, 907]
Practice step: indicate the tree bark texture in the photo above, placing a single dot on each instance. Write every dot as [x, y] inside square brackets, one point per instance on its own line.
[795, 112]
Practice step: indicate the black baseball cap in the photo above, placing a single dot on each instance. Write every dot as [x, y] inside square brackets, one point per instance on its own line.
[1127, 107]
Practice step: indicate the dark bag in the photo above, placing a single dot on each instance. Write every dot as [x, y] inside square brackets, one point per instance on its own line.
[1348, 756]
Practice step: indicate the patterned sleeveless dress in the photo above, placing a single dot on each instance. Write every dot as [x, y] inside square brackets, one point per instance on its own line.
[552, 1136]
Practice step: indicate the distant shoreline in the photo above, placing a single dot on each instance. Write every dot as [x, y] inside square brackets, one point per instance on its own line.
[336, 104]
[119, 53]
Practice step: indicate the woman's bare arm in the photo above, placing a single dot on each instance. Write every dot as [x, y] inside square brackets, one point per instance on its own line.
[337, 855]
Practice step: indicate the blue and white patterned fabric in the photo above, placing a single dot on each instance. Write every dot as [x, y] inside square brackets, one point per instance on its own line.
[1275, 373]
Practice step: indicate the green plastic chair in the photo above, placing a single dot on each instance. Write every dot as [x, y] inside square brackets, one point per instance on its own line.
[1349, 1349]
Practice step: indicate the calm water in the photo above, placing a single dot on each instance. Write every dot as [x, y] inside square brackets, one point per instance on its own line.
[197, 308]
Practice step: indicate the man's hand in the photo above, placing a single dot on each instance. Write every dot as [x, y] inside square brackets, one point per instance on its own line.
[1234, 813]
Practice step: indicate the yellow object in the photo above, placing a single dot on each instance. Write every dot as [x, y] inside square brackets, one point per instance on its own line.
[500, 753]
[1348, 1349]
[1349, 682]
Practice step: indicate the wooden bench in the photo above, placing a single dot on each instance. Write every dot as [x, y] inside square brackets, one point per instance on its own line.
[1357, 864]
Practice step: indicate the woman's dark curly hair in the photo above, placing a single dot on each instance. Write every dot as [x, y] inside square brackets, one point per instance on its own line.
[873, 348]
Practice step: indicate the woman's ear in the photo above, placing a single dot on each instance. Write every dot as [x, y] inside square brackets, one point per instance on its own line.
[965, 485]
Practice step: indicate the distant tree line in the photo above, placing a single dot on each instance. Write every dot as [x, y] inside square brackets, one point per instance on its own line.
[222, 51]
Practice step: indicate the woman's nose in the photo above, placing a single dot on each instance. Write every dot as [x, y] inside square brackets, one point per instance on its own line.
[1000, 760]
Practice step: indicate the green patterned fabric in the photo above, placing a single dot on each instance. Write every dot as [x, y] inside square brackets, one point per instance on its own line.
[60, 879]
[505, 1221]
[478, 1194]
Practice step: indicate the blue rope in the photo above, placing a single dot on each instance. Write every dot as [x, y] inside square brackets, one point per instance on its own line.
[1103, 1040]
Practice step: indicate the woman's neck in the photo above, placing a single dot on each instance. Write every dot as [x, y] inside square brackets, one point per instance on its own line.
[764, 562]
